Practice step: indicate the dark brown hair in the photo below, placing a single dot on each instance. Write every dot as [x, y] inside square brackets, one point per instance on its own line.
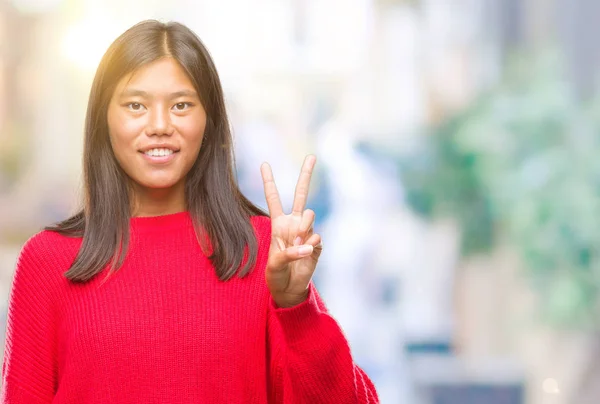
[218, 209]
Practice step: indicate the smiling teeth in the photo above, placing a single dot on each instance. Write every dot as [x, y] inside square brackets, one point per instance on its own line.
[159, 152]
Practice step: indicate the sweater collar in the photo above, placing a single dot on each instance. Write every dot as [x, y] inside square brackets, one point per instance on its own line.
[161, 222]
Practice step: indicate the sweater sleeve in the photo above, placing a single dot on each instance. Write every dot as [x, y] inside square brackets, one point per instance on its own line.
[29, 365]
[310, 358]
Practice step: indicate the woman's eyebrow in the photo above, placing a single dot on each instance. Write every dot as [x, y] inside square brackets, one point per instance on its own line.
[132, 92]
[184, 93]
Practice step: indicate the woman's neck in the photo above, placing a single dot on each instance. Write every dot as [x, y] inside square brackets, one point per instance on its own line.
[158, 201]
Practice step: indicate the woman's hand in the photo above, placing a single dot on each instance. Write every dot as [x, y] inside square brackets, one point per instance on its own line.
[295, 248]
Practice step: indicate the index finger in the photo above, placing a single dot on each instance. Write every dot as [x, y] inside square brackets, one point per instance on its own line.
[271, 194]
[301, 194]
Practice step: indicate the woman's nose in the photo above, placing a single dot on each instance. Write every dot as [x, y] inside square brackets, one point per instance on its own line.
[159, 122]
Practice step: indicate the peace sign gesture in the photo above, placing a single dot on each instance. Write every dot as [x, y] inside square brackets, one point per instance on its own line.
[294, 249]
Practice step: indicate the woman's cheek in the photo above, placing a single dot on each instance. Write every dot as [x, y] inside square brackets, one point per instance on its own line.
[132, 127]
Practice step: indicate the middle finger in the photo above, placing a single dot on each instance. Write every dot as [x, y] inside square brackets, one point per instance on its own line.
[301, 194]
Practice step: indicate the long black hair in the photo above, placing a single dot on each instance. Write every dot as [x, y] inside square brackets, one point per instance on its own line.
[219, 211]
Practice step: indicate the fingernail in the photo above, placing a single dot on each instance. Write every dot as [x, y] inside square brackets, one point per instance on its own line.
[305, 250]
[298, 240]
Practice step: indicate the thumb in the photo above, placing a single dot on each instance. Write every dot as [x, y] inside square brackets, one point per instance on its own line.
[282, 258]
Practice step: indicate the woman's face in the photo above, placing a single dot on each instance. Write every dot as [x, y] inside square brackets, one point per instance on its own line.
[156, 123]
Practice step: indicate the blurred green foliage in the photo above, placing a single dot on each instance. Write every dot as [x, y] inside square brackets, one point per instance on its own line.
[13, 153]
[523, 164]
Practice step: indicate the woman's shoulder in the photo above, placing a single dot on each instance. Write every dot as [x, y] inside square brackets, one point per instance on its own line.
[52, 240]
[48, 248]
[262, 225]
[40, 265]
[260, 221]
[262, 229]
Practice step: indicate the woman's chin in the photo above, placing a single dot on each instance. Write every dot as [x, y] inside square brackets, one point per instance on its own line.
[157, 184]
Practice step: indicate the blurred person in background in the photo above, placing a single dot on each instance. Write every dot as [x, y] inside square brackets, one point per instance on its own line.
[204, 297]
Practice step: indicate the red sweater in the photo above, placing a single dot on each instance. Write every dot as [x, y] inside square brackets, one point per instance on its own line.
[164, 329]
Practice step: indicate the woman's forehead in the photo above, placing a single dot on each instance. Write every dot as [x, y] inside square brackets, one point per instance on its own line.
[163, 77]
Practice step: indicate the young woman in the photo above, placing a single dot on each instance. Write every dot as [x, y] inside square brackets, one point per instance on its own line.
[170, 286]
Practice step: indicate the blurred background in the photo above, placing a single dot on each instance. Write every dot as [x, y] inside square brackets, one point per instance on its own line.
[457, 184]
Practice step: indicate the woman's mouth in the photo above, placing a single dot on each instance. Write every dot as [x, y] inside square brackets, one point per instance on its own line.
[159, 156]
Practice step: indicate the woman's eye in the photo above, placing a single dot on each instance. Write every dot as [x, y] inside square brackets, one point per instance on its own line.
[135, 106]
[180, 106]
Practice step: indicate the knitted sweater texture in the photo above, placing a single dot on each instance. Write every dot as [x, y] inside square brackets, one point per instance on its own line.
[165, 329]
